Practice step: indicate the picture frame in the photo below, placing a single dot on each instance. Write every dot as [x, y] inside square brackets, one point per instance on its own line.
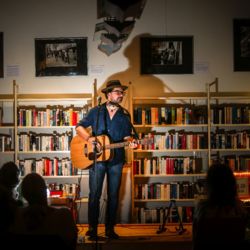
[1, 56]
[241, 37]
[61, 56]
[166, 55]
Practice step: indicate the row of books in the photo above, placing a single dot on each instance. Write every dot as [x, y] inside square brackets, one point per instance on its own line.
[156, 215]
[50, 116]
[230, 139]
[165, 191]
[174, 114]
[44, 142]
[47, 167]
[63, 189]
[190, 114]
[174, 140]
[5, 143]
[230, 114]
[165, 165]
[238, 163]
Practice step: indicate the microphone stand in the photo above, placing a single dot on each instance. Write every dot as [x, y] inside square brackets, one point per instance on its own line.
[96, 129]
[180, 230]
[95, 150]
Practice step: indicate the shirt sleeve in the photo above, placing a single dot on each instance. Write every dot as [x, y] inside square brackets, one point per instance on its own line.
[87, 120]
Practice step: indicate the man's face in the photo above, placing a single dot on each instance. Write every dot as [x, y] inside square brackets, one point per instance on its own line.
[116, 95]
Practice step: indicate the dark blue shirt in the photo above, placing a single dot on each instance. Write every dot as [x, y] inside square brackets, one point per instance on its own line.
[116, 129]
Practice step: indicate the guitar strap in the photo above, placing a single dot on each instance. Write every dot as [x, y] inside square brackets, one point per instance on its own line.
[105, 119]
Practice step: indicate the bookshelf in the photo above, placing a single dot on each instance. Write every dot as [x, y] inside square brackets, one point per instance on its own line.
[7, 139]
[230, 133]
[44, 125]
[183, 134]
[173, 158]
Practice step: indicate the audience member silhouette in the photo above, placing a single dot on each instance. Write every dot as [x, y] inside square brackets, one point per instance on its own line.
[39, 219]
[220, 221]
[8, 209]
[10, 178]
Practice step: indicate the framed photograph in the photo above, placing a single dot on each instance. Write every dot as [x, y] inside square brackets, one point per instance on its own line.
[1, 55]
[61, 56]
[167, 55]
[241, 31]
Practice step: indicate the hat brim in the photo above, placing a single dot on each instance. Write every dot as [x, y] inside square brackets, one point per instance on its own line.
[112, 87]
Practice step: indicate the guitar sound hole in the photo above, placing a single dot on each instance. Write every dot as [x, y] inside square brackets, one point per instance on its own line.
[92, 156]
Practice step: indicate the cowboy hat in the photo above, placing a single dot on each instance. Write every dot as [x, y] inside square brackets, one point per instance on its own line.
[113, 84]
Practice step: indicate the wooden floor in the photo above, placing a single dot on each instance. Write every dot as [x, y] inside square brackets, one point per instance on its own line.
[137, 236]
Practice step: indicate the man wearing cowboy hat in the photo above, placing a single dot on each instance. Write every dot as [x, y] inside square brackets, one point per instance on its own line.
[114, 121]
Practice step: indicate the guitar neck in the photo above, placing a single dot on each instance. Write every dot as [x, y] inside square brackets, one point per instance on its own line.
[116, 145]
[121, 144]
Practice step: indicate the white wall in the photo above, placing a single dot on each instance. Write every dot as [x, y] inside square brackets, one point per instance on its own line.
[210, 22]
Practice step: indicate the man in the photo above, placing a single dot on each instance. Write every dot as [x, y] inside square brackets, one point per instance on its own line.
[112, 120]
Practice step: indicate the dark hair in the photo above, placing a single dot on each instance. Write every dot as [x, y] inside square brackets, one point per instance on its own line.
[34, 189]
[221, 185]
[9, 175]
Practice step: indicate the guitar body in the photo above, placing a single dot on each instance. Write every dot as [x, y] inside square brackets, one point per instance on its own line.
[82, 152]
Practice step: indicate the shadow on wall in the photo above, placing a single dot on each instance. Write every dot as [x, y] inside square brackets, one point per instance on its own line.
[143, 85]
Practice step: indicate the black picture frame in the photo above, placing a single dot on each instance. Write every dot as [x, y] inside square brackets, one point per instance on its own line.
[1, 56]
[61, 56]
[167, 55]
[241, 36]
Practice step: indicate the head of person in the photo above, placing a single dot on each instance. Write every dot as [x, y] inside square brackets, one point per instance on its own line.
[34, 189]
[9, 175]
[221, 185]
[114, 91]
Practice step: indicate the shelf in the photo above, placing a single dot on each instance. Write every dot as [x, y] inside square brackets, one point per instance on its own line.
[58, 176]
[43, 152]
[230, 95]
[7, 152]
[231, 125]
[173, 95]
[162, 200]
[168, 150]
[169, 125]
[84, 200]
[169, 175]
[231, 149]
[151, 203]
[7, 98]
[45, 127]
[53, 97]
[7, 126]
[61, 176]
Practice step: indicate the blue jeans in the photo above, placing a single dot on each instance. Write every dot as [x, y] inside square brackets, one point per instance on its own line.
[96, 178]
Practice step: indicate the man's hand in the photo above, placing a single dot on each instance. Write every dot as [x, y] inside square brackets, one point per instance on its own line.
[132, 143]
[92, 140]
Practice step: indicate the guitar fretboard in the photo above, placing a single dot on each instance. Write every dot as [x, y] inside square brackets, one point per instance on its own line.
[116, 145]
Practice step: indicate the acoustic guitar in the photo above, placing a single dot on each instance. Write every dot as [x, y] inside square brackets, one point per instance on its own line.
[83, 153]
